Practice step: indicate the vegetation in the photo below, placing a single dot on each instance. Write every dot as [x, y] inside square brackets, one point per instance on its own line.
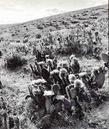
[14, 62]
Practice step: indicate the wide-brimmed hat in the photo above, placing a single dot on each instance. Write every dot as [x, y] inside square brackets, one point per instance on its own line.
[48, 93]
[63, 71]
[82, 74]
[38, 81]
[46, 56]
[72, 56]
[71, 77]
[78, 83]
[49, 61]
[60, 97]
[105, 57]
[41, 63]
[55, 71]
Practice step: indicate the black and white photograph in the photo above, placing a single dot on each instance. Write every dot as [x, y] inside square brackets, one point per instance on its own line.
[54, 64]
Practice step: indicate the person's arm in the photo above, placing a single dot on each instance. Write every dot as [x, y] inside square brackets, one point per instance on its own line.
[68, 92]
[38, 67]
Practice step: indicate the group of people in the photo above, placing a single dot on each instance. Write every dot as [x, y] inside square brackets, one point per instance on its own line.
[62, 86]
[59, 87]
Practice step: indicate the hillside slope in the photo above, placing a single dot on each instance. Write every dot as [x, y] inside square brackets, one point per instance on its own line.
[47, 30]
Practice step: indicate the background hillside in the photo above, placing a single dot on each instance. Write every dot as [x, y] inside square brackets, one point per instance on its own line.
[46, 31]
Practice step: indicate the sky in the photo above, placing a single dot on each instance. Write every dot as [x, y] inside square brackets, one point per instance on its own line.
[18, 11]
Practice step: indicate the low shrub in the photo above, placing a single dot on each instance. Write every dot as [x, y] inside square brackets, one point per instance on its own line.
[38, 36]
[13, 35]
[74, 22]
[14, 62]
[92, 17]
[40, 27]
[25, 40]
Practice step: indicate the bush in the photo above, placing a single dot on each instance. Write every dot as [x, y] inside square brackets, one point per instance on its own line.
[40, 27]
[92, 17]
[38, 36]
[25, 40]
[74, 22]
[0, 54]
[13, 35]
[14, 62]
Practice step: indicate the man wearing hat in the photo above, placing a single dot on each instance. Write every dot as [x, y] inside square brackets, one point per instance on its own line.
[85, 77]
[75, 66]
[52, 99]
[34, 72]
[98, 78]
[37, 54]
[97, 38]
[71, 78]
[76, 97]
[37, 100]
[48, 101]
[49, 63]
[43, 70]
[63, 74]
[54, 76]
[79, 91]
